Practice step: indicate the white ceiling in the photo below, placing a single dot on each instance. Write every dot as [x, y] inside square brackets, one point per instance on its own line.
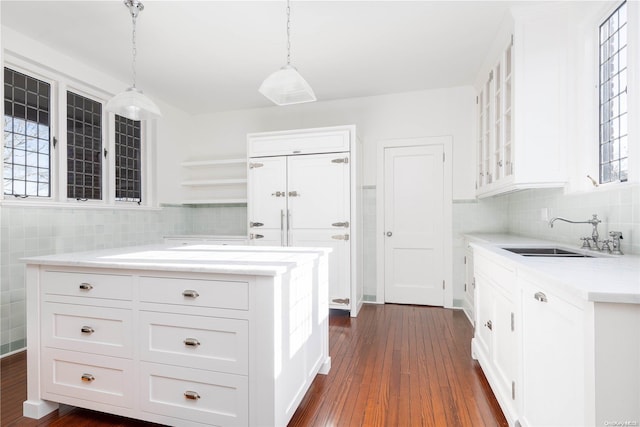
[206, 56]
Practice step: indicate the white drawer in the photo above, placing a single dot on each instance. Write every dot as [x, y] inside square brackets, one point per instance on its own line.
[89, 285]
[277, 144]
[109, 378]
[216, 344]
[503, 275]
[195, 292]
[90, 329]
[223, 398]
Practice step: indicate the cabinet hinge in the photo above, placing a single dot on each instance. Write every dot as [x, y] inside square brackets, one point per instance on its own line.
[512, 39]
[341, 160]
[476, 100]
[443, 284]
[465, 259]
[513, 326]
[465, 287]
[443, 157]
[491, 75]
[513, 390]
[55, 142]
[255, 165]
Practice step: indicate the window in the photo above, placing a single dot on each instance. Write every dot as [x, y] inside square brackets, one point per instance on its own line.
[84, 148]
[128, 171]
[101, 159]
[27, 163]
[613, 97]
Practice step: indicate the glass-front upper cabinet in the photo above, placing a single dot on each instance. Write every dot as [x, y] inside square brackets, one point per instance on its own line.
[495, 113]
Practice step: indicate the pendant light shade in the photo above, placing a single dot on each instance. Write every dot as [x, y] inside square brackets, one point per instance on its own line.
[286, 86]
[132, 103]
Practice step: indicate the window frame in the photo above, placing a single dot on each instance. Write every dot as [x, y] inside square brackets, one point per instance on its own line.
[59, 85]
[605, 18]
[633, 99]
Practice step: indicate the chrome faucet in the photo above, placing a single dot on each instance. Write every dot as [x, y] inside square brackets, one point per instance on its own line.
[594, 233]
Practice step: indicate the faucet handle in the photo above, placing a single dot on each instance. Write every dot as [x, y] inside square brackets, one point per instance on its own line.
[616, 234]
[586, 242]
[606, 245]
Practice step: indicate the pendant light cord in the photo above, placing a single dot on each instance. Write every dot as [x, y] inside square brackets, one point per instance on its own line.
[134, 50]
[288, 33]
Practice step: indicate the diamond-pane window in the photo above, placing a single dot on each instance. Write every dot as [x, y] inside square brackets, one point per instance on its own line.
[613, 97]
[128, 171]
[84, 148]
[26, 156]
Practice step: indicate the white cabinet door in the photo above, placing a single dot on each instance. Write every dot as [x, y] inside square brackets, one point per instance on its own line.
[318, 198]
[505, 350]
[469, 284]
[318, 190]
[553, 359]
[267, 201]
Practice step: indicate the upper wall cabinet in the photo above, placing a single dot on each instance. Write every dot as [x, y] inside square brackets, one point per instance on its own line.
[522, 106]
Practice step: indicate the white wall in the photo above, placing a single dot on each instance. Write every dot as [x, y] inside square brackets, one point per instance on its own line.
[447, 111]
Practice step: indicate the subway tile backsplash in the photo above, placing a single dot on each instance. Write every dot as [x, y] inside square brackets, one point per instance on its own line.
[31, 231]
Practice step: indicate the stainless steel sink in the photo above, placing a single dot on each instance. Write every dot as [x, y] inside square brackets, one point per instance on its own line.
[547, 252]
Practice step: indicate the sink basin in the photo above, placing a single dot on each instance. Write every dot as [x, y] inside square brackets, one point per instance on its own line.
[547, 252]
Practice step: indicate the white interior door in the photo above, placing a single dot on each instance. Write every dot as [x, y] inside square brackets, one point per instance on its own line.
[267, 201]
[414, 270]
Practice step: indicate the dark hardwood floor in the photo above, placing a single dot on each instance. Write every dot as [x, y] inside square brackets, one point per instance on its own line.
[393, 365]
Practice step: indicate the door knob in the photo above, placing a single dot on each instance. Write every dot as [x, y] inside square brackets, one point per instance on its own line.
[389, 234]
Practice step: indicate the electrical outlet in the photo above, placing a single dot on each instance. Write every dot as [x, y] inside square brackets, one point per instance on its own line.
[544, 214]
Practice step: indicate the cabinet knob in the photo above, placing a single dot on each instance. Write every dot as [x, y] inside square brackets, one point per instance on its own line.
[87, 378]
[540, 297]
[87, 330]
[189, 293]
[389, 234]
[85, 286]
[191, 395]
[191, 342]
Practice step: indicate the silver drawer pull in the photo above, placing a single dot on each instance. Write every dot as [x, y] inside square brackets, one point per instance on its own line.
[87, 330]
[341, 224]
[540, 297]
[87, 378]
[190, 293]
[191, 395]
[191, 342]
[341, 237]
[86, 286]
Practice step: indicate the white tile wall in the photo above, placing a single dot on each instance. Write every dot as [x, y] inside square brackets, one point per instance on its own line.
[29, 231]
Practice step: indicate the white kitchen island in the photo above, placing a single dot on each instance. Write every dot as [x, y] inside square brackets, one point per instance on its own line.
[180, 335]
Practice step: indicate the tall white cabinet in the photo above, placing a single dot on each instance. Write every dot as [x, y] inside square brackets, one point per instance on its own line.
[304, 190]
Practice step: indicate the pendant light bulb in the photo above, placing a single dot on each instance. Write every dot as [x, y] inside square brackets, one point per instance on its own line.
[286, 86]
[132, 103]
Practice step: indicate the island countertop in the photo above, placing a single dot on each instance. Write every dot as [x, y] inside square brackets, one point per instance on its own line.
[203, 258]
[603, 278]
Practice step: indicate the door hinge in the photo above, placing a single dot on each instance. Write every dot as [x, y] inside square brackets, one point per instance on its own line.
[513, 322]
[255, 224]
[255, 165]
[341, 160]
[513, 390]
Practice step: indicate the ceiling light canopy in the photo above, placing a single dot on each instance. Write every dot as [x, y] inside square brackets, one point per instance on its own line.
[132, 103]
[286, 86]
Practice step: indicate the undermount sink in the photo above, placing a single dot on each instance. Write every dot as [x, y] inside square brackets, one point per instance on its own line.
[547, 252]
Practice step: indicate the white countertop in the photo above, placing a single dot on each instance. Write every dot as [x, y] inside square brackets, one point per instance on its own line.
[603, 278]
[203, 258]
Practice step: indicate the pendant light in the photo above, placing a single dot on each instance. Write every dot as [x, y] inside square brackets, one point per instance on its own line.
[286, 86]
[132, 103]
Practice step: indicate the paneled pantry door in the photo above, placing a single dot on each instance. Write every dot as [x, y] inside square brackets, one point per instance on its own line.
[414, 261]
